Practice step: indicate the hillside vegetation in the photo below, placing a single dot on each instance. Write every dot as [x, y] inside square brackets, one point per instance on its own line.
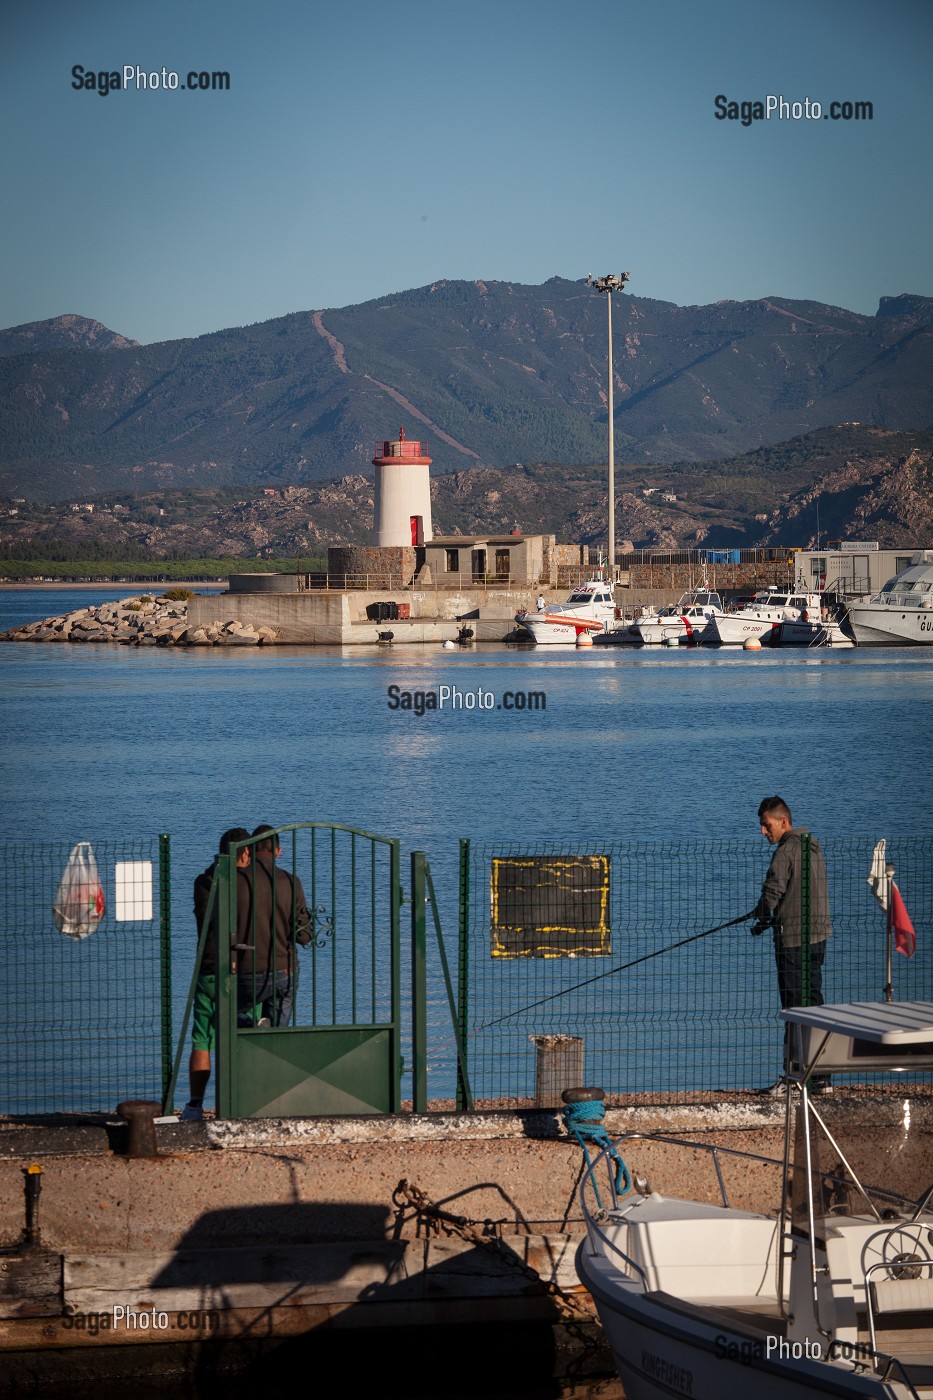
[490, 373]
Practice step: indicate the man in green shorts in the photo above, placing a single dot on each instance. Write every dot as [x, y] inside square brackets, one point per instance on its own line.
[205, 997]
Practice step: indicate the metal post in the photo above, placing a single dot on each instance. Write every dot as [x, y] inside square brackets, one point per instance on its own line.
[395, 877]
[610, 284]
[225, 984]
[889, 926]
[165, 955]
[419, 1020]
[463, 947]
[612, 460]
[805, 910]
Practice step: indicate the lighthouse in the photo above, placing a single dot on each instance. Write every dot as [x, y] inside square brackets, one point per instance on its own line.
[403, 493]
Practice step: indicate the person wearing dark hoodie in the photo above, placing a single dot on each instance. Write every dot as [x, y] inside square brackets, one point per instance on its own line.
[275, 920]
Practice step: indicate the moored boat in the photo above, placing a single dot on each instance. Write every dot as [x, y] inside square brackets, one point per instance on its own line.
[902, 613]
[832, 1294]
[828, 631]
[589, 609]
[769, 608]
[685, 621]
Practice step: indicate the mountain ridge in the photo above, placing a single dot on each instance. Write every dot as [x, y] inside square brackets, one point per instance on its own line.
[496, 373]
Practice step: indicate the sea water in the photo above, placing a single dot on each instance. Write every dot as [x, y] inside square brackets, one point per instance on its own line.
[102, 742]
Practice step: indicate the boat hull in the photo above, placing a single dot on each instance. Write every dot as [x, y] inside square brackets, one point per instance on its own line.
[879, 625]
[810, 634]
[545, 629]
[664, 1347]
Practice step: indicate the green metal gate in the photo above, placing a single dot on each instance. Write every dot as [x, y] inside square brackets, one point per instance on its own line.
[340, 1052]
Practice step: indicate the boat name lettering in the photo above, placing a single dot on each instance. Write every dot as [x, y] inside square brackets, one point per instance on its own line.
[794, 1351]
[727, 1349]
[667, 1372]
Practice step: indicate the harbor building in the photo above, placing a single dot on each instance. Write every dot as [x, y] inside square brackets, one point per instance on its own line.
[851, 568]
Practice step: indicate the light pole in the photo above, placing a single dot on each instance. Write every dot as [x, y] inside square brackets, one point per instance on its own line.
[610, 284]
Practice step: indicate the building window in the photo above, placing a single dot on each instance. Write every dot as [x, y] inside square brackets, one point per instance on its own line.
[818, 570]
[901, 564]
[502, 563]
[453, 561]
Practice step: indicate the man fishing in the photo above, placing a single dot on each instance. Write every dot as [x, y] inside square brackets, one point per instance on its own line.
[781, 908]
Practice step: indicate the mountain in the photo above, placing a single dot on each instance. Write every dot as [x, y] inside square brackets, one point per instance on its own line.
[488, 373]
[846, 482]
[61, 333]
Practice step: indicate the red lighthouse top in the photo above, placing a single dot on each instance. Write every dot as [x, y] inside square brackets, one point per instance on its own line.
[400, 452]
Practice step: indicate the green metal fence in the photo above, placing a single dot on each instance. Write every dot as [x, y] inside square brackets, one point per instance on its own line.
[672, 1026]
[339, 1049]
[87, 1023]
[84, 1022]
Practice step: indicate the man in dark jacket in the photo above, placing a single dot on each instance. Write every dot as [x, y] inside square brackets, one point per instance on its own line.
[781, 908]
[205, 996]
[274, 919]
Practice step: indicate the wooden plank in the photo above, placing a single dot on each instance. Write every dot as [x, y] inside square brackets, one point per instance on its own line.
[324, 1274]
[31, 1284]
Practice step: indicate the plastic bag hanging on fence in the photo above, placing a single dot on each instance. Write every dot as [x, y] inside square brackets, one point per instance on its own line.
[79, 903]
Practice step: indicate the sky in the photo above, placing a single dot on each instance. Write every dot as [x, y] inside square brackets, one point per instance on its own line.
[364, 148]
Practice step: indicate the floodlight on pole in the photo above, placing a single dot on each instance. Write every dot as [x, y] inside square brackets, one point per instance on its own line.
[609, 284]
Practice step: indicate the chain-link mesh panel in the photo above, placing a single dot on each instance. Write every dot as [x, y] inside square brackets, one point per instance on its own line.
[81, 1023]
[679, 1024]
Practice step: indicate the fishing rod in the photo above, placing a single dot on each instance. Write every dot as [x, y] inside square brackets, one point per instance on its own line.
[621, 968]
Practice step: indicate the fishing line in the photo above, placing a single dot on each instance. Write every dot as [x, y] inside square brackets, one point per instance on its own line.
[610, 971]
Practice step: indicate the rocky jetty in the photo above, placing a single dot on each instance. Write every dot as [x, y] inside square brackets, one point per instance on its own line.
[141, 622]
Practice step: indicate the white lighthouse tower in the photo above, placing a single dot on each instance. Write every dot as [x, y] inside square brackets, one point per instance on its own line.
[403, 493]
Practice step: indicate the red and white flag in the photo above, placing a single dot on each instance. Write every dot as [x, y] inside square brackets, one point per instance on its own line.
[905, 939]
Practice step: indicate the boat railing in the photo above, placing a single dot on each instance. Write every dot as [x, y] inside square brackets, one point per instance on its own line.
[716, 1151]
[864, 1358]
[713, 1150]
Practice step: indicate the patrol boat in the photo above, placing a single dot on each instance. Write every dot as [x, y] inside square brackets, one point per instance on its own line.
[590, 608]
[902, 613]
[832, 1293]
[686, 621]
[769, 608]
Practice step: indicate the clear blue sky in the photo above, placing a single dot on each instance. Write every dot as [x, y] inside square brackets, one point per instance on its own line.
[365, 148]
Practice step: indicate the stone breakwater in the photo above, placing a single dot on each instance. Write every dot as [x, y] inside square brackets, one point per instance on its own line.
[142, 622]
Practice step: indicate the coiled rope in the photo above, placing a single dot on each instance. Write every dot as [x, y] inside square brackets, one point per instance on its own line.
[584, 1121]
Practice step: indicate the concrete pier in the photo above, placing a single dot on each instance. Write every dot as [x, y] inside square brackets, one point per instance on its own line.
[280, 1231]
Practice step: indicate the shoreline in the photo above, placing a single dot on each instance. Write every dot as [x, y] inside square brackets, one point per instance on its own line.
[58, 584]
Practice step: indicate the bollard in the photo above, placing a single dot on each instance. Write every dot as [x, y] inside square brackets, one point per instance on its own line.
[32, 1186]
[559, 1063]
[141, 1135]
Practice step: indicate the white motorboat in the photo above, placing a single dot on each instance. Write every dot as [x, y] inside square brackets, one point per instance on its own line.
[902, 613]
[590, 608]
[685, 621]
[770, 608]
[828, 631]
[832, 1293]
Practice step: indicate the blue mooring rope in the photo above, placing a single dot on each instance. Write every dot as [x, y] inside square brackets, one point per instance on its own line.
[584, 1121]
